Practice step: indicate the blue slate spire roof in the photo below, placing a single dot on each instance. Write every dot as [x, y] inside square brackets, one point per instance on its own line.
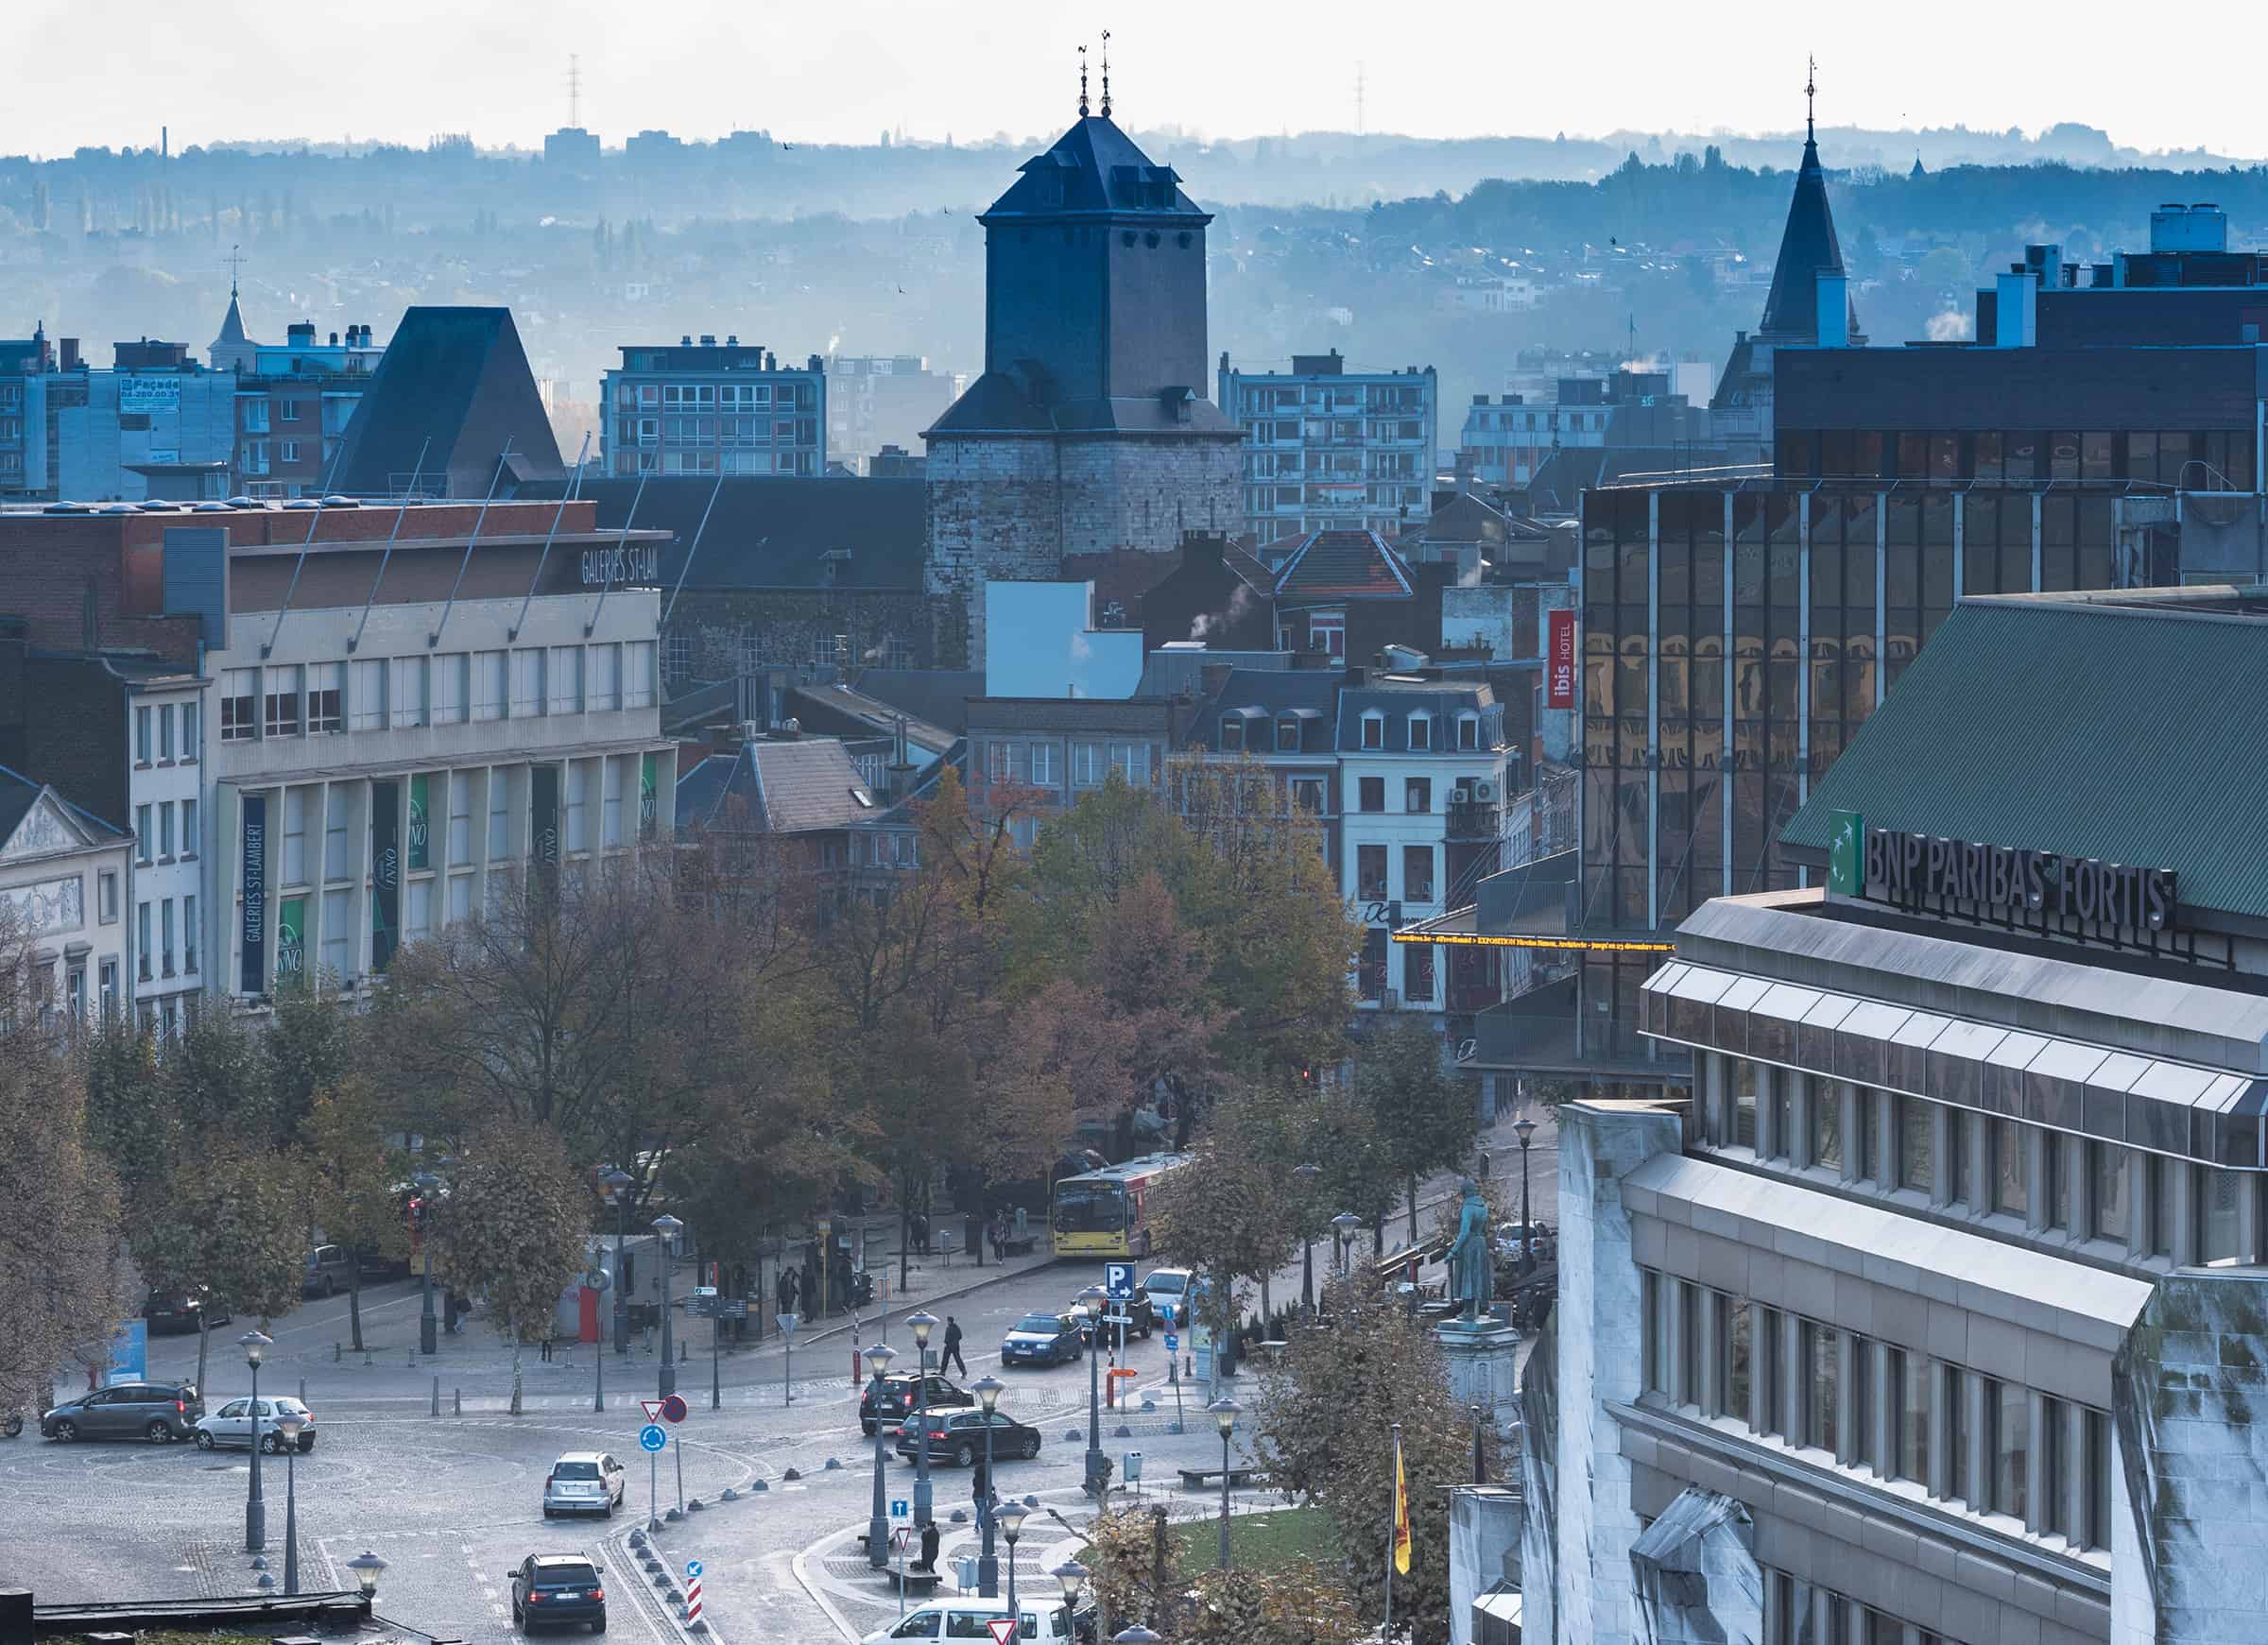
[1095, 169]
[1808, 247]
[232, 325]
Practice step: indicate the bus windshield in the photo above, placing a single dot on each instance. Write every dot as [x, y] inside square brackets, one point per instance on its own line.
[1090, 1207]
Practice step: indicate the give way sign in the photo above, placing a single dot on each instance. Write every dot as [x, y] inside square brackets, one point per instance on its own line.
[1004, 1629]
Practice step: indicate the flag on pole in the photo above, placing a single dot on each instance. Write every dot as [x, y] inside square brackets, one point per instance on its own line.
[1401, 1509]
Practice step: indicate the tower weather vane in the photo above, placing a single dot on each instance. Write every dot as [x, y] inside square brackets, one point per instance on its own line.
[1106, 73]
[1082, 82]
[1811, 91]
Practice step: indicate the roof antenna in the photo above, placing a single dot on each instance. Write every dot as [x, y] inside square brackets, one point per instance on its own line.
[1106, 73]
[1811, 91]
[1082, 82]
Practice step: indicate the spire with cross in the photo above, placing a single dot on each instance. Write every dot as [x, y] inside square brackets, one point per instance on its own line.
[1811, 93]
[1082, 82]
[235, 262]
[1106, 73]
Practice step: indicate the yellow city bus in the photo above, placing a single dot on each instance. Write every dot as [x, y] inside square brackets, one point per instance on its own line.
[1106, 1212]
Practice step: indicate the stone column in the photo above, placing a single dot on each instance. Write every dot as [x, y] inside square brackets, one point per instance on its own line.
[1597, 1327]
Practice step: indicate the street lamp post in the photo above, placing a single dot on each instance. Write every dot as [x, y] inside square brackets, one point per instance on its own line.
[1073, 1575]
[921, 1325]
[255, 1344]
[1011, 1527]
[288, 1424]
[618, 1183]
[669, 1228]
[987, 1389]
[428, 1326]
[367, 1569]
[1307, 1175]
[1342, 1234]
[878, 1521]
[1526, 1129]
[1224, 1412]
[1092, 1299]
[1137, 1635]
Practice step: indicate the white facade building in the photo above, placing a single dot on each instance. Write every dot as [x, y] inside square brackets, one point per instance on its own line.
[1328, 449]
[61, 876]
[166, 895]
[1422, 771]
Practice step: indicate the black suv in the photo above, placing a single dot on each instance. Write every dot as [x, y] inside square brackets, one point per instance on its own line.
[894, 1402]
[160, 1413]
[558, 1588]
[1141, 1318]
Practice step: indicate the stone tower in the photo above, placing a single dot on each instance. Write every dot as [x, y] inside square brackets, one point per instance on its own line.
[1089, 430]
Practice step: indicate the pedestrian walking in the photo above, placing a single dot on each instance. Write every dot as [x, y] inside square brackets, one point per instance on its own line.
[952, 1347]
[929, 1546]
[979, 1485]
[548, 1349]
[920, 1233]
[783, 1291]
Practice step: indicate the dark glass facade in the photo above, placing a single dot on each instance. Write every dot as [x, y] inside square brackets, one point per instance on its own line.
[2187, 459]
[1735, 639]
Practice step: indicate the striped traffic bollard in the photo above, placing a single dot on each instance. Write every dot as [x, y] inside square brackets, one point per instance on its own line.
[693, 1598]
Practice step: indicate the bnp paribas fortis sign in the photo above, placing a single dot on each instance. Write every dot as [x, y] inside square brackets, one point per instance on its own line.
[1917, 871]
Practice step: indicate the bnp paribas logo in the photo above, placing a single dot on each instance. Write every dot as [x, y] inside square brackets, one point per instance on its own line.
[1847, 855]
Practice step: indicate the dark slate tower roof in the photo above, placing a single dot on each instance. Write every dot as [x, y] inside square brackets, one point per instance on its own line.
[231, 324]
[1808, 247]
[1094, 169]
[460, 377]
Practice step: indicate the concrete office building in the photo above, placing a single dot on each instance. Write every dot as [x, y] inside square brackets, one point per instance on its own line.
[20, 358]
[1939, 1313]
[160, 710]
[710, 408]
[1327, 449]
[294, 402]
[156, 426]
[1509, 443]
[877, 402]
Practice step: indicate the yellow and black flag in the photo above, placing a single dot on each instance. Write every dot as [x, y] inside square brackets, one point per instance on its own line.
[1401, 1508]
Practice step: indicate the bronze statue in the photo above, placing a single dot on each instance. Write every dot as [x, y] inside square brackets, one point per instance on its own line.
[1472, 1256]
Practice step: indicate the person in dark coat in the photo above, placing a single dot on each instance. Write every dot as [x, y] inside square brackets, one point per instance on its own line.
[952, 1347]
[929, 1547]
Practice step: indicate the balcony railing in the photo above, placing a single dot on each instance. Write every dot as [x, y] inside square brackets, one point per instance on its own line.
[1560, 1042]
[1474, 820]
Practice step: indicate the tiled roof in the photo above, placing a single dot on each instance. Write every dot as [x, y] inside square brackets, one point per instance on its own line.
[1092, 167]
[1263, 696]
[2120, 726]
[1344, 565]
[788, 787]
[1807, 247]
[938, 695]
[773, 532]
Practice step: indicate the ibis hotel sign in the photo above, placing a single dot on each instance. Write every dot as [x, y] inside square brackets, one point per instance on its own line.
[2004, 883]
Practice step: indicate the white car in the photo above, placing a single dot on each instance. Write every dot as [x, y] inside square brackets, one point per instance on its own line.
[966, 1618]
[1168, 1289]
[231, 1425]
[583, 1482]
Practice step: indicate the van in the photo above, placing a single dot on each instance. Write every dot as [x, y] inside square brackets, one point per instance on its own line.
[966, 1620]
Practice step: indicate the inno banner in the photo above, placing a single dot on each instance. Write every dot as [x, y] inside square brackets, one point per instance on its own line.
[254, 934]
[385, 872]
[1559, 661]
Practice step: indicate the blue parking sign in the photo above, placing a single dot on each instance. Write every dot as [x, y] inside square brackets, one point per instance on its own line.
[1118, 1281]
[652, 1437]
[1173, 1343]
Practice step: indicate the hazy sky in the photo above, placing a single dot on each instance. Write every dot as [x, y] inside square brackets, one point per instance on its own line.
[113, 70]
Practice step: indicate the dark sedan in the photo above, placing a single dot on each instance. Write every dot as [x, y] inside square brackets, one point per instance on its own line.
[561, 1589]
[1043, 1338]
[1140, 1313]
[182, 1311]
[958, 1437]
[892, 1400]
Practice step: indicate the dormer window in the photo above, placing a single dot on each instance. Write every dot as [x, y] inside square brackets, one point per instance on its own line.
[1232, 734]
[1421, 732]
[1468, 730]
[1374, 731]
[1287, 735]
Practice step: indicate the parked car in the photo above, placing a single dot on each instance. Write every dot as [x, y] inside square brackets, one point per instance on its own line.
[1141, 1318]
[958, 1437]
[11, 1425]
[894, 1400]
[965, 1619]
[1512, 1240]
[561, 1588]
[231, 1425]
[330, 1271]
[1043, 1338]
[182, 1311]
[584, 1482]
[160, 1413]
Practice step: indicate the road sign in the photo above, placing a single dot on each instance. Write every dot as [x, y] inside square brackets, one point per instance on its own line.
[1002, 1629]
[901, 1509]
[1118, 1281]
[653, 1436]
[901, 1538]
[692, 1568]
[673, 1408]
[1173, 1343]
[652, 1409]
[735, 1308]
[701, 1307]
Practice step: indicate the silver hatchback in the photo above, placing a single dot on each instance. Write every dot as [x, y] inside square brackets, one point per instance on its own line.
[583, 1482]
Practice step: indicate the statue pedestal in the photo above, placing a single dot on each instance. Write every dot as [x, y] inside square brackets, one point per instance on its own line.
[1484, 1360]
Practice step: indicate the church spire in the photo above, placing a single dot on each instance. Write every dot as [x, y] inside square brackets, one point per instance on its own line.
[1106, 73]
[1808, 246]
[1811, 99]
[1082, 82]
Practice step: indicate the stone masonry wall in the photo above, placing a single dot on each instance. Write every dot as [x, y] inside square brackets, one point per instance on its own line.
[1012, 508]
[715, 634]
